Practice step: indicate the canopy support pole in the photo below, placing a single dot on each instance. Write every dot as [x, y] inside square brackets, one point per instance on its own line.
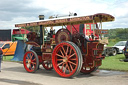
[93, 28]
[101, 29]
[22, 34]
[41, 34]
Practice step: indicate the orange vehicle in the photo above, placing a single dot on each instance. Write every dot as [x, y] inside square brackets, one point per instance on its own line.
[8, 47]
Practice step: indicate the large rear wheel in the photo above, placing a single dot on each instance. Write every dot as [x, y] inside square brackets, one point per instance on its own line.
[30, 61]
[67, 59]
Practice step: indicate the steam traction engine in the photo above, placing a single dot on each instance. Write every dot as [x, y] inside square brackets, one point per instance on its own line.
[68, 51]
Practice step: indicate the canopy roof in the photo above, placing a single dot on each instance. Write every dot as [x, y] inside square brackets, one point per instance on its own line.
[70, 20]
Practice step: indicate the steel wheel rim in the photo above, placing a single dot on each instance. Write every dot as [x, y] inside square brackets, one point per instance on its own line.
[65, 59]
[114, 52]
[47, 65]
[30, 61]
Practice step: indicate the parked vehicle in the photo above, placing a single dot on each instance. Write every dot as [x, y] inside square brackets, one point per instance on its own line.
[126, 50]
[117, 48]
[120, 45]
[68, 52]
[8, 47]
[110, 51]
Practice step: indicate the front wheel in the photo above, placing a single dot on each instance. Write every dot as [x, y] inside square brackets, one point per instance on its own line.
[67, 59]
[31, 61]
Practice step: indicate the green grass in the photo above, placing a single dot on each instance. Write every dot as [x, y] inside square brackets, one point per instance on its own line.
[7, 58]
[111, 44]
[113, 63]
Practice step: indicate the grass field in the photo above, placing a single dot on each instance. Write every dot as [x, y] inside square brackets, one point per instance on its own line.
[7, 58]
[111, 44]
[113, 63]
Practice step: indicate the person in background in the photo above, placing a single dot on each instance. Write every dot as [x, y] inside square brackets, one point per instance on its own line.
[1, 55]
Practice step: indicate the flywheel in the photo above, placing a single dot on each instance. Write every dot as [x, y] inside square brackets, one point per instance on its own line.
[62, 35]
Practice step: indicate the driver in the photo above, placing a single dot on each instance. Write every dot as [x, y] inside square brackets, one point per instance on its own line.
[52, 31]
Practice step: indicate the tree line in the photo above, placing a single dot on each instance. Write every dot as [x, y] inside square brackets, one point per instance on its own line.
[118, 34]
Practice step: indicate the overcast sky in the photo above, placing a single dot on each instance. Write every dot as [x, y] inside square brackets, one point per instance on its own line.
[19, 11]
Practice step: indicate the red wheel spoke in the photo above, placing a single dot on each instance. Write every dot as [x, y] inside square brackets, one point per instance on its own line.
[27, 60]
[62, 53]
[34, 59]
[71, 67]
[31, 55]
[59, 55]
[72, 63]
[33, 63]
[67, 50]
[34, 66]
[30, 67]
[73, 59]
[63, 50]
[27, 63]
[65, 69]
[27, 57]
[72, 55]
[59, 59]
[60, 64]
[70, 51]
[68, 68]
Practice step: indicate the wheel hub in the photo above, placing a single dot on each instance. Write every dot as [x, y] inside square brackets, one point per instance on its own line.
[65, 59]
[29, 61]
